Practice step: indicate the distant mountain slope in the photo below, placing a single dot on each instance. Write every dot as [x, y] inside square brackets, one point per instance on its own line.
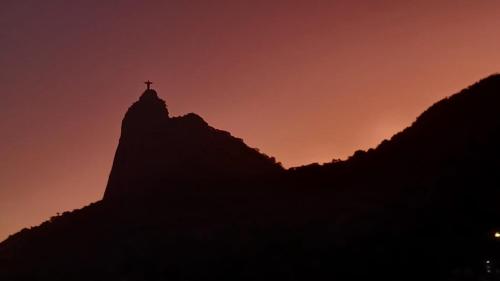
[189, 202]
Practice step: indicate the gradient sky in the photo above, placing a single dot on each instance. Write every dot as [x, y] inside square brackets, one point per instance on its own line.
[304, 81]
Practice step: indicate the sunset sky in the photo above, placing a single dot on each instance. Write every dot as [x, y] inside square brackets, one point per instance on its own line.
[304, 81]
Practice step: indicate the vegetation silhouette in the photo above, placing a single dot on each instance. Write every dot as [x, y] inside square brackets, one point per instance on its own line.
[185, 201]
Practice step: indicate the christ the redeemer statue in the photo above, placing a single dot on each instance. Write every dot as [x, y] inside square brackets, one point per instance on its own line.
[148, 84]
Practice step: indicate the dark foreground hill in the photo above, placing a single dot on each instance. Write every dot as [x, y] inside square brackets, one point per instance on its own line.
[188, 202]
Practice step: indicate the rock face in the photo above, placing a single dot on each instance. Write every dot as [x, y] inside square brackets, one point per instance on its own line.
[157, 152]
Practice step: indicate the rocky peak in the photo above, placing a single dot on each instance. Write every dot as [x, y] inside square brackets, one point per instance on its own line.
[156, 151]
[148, 113]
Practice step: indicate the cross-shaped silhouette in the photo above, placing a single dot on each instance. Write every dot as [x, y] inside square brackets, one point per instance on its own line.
[148, 83]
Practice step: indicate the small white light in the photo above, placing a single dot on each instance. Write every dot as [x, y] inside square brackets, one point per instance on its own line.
[487, 261]
[497, 234]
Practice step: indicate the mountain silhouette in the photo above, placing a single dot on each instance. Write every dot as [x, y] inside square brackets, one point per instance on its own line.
[185, 201]
[156, 151]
